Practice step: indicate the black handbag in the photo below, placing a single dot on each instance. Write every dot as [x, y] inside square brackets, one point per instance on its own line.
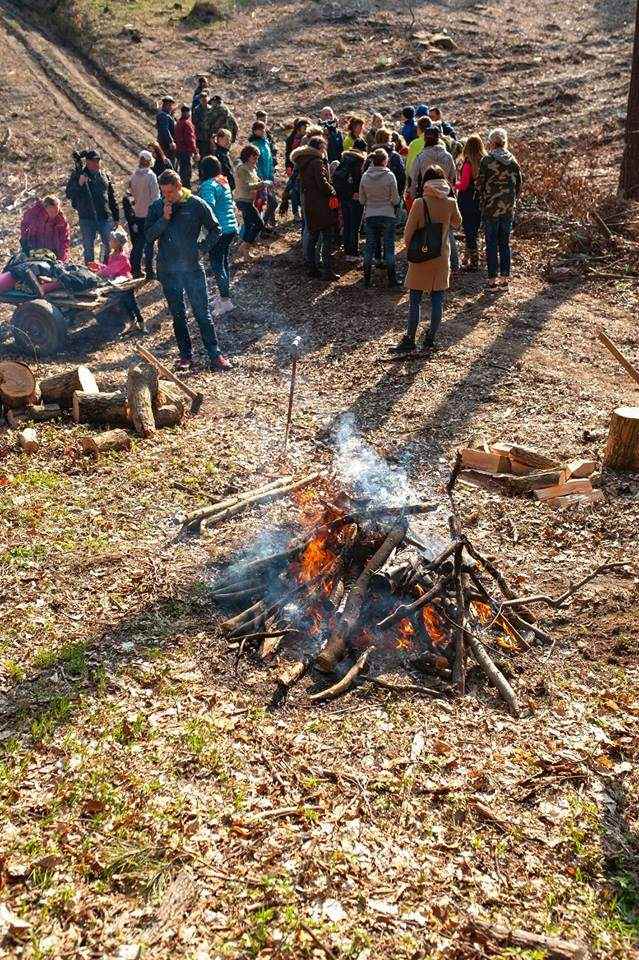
[426, 242]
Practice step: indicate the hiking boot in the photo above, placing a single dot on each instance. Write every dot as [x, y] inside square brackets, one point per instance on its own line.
[405, 345]
[220, 364]
[184, 363]
[428, 342]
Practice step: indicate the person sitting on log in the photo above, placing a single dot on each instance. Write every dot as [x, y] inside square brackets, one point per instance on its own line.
[119, 266]
[176, 222]
[45, 227]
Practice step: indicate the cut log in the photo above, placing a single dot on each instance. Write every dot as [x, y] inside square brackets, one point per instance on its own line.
[622, 451]
[28, 440]
[60, 389]
[564, 489]
[17, 383]
[100, 408]
[141, 391]
[531, 458]
[553, 947]
[577, 469]
[335, 649]
[111, 440]
[169, 414]
[488, 462]
[50, 411]
[514, 485]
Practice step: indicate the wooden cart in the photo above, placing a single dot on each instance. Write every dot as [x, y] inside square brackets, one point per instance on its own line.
[40, 323]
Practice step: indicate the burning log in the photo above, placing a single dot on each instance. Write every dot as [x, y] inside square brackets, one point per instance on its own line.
[408, 609]
[335, 649]
[347, 681]
[432, 663]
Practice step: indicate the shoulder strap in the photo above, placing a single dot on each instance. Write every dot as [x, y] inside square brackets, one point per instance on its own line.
[426, 211]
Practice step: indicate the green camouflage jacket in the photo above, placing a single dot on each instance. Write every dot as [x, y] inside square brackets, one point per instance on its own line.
[499, 183]
[219, 117]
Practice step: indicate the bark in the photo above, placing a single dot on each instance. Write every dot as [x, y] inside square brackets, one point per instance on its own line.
[169, 414]
[108, 408]
[554, 947]
[60, 389]
[17, 383]
[408, 609]
[141, 390]
[111, 440]
[495, 675]
[622, 450]
[347, 681]
[217, 513]
[335, 649]
[629, 176]
[51, 411]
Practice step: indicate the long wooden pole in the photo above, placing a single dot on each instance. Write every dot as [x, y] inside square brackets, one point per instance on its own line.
[290, 401]
[618, 355]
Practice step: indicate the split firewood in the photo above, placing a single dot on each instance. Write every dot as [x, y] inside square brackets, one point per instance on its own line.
[578, 469]
[511, 484]
[17, 384]
[335, 649]
[488, 462]
[564, 489]
[347, 681]
[168, 414]
[141, 390]
[554, 947]
[263, 496]
[560, 503]
[622, 449]
[28, 440]
[40, 414]
[110, 408]
[60, 389]
[531, 458]
[111, 440]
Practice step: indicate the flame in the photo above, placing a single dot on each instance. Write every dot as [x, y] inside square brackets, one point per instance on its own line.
[434, 626]
[483, 611]
[315, 558]
[508, 640]
[406, 633]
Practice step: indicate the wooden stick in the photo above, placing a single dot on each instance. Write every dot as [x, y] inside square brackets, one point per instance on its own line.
[203, 512]
[330, 693]
[500, 580]
[408, 609]
[618, 355]
[196, 397]
[290, 401]
[554, 947]
[459, 664]
[560, 601]
[495, 675]
[264, 497]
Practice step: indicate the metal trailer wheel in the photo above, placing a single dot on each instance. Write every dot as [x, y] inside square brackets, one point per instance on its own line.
[40, 326]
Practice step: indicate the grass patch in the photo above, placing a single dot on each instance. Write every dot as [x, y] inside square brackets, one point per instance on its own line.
[71, 656]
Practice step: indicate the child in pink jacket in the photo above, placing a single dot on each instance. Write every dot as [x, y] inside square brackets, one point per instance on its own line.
[118, 265]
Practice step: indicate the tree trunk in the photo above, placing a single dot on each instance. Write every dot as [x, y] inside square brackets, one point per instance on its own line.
[111, 440]
[629, 178]
[17, 384]
[100, 408]
[141, 391]
[60, 389]
[622, 452]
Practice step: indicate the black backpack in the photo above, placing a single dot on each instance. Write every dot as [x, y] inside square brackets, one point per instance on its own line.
[342, 180]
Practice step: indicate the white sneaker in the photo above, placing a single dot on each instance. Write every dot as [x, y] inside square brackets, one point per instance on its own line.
[224, 306]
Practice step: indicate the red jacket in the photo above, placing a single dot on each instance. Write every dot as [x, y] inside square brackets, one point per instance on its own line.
[39, 231]
[185, 141]
[118, 265]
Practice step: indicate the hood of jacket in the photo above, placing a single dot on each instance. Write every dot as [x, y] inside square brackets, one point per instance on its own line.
[353, 155]
[302, 156]
[378, 173]
[503, 156]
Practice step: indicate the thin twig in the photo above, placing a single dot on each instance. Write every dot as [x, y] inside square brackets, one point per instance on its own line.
[316, 940]
[560, 601]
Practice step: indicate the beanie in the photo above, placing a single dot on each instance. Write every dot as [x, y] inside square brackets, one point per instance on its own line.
[408, 113]
[422, 110]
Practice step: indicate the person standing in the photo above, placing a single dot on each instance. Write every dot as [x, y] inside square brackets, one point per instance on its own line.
[118, 266]
[262, 117]
[409, 128]
[265, 170]
[332, 134]
[320, 206]
[214, 190]
[160, 161]
[92, 195]
[468, 197]
[355, 132]
[380, 198]
[346, 180]
[198, 116]
[430, 276]
[247, 185]
[185, 145]
[176, 221]
[499, 183]
[377, 122]
[221, 150]
[201, 90]
[145, 191]
[433, 154]
[219, 116]
[417, 145]
[165, 124]
[45, 227]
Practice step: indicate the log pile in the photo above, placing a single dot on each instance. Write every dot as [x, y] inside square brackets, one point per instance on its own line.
[337, 598]
[146, 403]
[516, 470]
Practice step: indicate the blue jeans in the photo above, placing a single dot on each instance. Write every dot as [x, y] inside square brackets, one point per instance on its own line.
[379, 229]
[415, 310]
[220, 263]
[253, 223]
[318, 250]
[88, 230]
[498, 244]
[192, 284]
[352, 212]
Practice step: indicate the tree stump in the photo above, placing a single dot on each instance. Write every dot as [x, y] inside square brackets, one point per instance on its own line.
[17, 384]
[111, 440]
[100, 408]
[622, 451]
[60, 389]
[141, 391]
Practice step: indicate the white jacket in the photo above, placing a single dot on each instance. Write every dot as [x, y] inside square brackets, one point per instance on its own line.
[378, 193]
[144, 187]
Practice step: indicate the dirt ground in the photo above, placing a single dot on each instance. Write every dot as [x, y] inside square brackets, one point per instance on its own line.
[152, 804]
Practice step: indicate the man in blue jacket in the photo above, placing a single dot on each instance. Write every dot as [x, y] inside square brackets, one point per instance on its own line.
[165, 123]
[176, 221]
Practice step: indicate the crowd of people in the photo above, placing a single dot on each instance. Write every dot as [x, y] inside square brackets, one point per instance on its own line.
[341, 181]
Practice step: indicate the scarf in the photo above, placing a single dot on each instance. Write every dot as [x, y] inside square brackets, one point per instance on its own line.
[439, 189]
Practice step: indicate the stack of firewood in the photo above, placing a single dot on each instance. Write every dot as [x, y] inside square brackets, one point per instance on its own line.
[144, 404]
[513, 469]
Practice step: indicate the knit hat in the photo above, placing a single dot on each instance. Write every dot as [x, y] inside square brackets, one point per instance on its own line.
[145, 155]
[120, 236]
[422, 110]
[408, 113]
[92, 155]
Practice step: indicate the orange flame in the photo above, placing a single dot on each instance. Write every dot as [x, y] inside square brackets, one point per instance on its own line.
[483, 611]
[434, 626]
[315, 558]
[509, 640]
[406, 634]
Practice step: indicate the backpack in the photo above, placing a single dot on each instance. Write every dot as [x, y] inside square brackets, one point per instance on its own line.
[342, 180]
[334, 143]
